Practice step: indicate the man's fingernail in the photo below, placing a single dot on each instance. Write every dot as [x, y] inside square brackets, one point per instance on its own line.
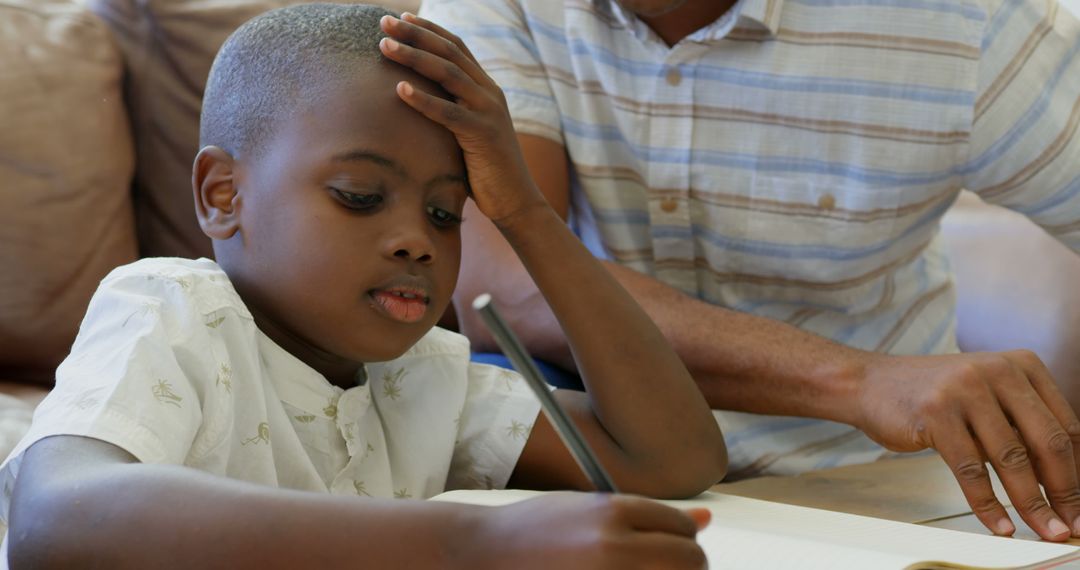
[390, 44]
[1057, 527]
[1005, 527]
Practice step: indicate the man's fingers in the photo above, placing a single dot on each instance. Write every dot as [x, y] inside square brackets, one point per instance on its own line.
[1049, 444]
[1044, 385]
[1014, 466]
[964, 459]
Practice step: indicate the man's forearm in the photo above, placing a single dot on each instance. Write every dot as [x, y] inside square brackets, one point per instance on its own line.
[749, 363]
[740, 362]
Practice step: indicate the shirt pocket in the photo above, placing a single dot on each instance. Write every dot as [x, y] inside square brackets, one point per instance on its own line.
[817, 243]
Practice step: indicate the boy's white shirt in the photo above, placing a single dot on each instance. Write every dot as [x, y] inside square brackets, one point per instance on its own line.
[170, 366]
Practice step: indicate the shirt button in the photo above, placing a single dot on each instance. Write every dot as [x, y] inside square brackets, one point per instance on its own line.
[669, 205]
[826, 202]
[673, 77]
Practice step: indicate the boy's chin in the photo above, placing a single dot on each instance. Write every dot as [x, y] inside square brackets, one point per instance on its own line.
[387, 348]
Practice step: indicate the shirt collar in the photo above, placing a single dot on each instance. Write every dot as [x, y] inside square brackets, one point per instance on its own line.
[761, 14]
[764, 14]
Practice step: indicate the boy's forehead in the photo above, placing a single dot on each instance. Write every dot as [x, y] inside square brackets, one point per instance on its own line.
[362, 110]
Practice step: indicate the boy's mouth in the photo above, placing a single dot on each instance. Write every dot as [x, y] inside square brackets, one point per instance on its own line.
[403, 304]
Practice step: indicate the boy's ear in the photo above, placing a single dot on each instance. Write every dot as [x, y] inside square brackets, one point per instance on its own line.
[217, 204]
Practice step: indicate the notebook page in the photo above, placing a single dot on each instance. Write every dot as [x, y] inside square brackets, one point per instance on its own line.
[906, 544]
[753, 534]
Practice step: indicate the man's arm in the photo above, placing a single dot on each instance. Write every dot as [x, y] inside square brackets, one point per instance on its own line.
[964, 406]
[741, 362]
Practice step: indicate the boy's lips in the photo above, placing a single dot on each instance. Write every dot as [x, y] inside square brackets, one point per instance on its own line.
[403, 304]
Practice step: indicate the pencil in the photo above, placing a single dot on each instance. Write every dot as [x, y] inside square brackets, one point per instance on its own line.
[568, 432]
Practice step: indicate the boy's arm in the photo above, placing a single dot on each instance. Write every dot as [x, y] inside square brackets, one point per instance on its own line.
[637, 385]
[81, 502]
[78, 500]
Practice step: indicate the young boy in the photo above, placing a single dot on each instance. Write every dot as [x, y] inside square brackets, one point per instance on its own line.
[212, 414]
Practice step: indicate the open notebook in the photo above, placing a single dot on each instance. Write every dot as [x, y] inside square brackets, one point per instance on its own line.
[755, 534]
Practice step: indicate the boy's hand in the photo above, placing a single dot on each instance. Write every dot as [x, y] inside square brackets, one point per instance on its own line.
[477, 113]
[594, 531]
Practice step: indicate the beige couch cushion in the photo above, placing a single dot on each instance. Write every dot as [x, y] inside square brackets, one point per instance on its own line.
[169, 46]
[66, 162]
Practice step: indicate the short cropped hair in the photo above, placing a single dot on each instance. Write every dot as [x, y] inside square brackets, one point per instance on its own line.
[268, 64]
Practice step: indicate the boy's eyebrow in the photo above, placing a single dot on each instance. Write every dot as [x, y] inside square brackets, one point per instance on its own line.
[444, 178]
[368, 156]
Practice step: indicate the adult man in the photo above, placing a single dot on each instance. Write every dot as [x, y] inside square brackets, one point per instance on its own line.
[767, 177]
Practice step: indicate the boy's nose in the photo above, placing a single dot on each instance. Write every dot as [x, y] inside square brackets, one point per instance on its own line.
[407, 254]
[410, 244]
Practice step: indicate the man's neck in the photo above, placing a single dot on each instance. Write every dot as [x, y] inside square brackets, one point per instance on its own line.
[687, 19]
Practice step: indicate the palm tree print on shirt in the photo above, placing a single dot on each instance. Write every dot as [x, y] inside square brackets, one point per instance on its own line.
[263, 435]
[392, 383]
[164, 394]
[517, 429]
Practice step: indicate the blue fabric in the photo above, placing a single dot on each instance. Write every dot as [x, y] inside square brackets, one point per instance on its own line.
[553, 374]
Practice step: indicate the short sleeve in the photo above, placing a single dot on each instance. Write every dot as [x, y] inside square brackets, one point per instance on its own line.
[495, 423]
[1025, 152]
[133, 376]
[499, 35]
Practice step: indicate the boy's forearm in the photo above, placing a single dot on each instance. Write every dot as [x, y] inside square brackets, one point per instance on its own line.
[140, 516]
[640, 382]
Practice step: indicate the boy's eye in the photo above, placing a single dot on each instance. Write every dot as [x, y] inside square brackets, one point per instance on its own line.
[357, 201]
[443, 217]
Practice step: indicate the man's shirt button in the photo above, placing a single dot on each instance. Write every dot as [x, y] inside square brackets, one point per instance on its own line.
[673, 77]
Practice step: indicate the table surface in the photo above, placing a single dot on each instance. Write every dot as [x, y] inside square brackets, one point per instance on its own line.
[914, 489]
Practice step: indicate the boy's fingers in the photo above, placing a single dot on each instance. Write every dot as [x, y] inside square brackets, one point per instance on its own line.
[446, 113]
[651, 516]
[428, 24]
[665, 551]
[701, 516]
[428, 41]
[435, 68]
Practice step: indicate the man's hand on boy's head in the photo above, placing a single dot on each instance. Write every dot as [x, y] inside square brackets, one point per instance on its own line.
[478, 116]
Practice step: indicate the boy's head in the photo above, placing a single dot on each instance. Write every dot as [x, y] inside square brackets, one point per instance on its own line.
[334, 207]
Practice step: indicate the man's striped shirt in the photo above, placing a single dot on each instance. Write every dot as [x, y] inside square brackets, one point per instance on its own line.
[793, 159]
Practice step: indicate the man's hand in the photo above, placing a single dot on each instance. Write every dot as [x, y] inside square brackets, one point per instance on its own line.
[972, 408]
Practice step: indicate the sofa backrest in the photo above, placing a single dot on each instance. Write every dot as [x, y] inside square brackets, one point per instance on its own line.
[92, 93]
[66, 162]
[168, 48]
